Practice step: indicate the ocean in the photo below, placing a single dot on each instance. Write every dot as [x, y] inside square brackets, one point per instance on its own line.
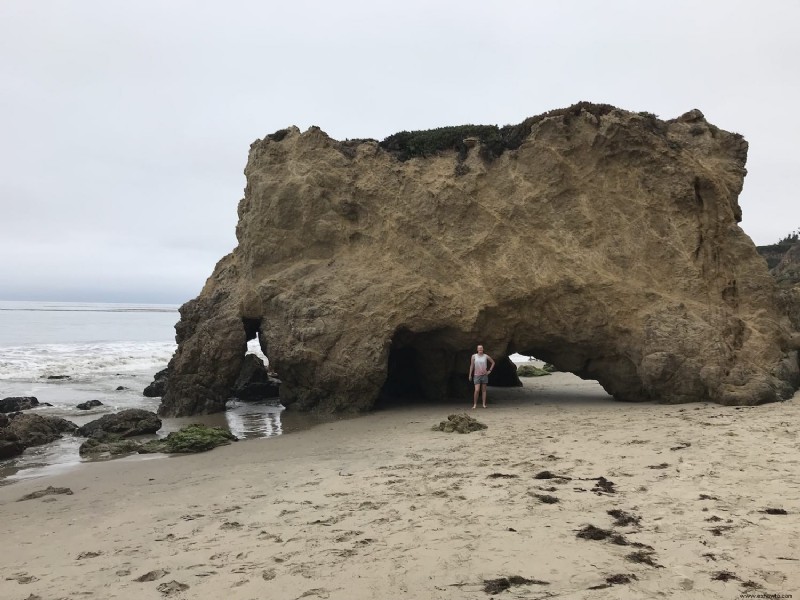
[65, 353]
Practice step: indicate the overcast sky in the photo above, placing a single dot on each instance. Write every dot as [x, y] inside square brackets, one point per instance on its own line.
[125, 126]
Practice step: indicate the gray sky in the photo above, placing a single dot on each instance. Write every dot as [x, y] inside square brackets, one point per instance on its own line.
[125, 126]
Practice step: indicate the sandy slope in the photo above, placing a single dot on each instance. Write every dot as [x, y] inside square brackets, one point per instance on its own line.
[383, 507]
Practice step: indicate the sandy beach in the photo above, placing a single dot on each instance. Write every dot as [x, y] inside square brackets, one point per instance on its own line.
[381, 506]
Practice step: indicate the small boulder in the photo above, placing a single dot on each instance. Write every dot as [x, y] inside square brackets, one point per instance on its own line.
[35, 430]
[90, 404]
[462, 423]
[531, 371]
[192, 438]
[126, 423]
[254, 381]
[108, 443]
[158, 387]
[17, 403]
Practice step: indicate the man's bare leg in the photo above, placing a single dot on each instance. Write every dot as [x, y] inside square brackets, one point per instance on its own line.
[475, 396]
[483, 386]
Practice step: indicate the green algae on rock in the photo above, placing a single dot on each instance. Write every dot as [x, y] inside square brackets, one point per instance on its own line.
[192, 438]
[462, 423]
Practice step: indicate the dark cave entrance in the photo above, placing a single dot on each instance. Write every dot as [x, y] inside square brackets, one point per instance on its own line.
[433, 366]
[255, 380]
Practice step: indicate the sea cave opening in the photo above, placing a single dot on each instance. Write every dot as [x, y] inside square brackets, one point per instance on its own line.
[432, 366]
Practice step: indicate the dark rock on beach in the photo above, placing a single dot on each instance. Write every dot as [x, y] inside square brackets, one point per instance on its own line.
[108, 443]
[158, 386]
[88, 405]
[17, 403]
[10, 444]
[192, 438]
[35, 430]
[127, 423]
[254, 381]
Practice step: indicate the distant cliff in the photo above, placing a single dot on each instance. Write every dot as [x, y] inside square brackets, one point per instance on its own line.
[783, 259]
[602, 241]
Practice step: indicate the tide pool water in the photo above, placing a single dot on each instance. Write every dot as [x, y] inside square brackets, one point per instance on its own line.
[65, 353]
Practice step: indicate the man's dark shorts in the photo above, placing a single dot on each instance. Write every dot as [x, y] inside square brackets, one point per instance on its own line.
[480, 379]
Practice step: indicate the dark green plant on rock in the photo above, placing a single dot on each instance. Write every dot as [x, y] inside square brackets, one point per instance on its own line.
[494, 140]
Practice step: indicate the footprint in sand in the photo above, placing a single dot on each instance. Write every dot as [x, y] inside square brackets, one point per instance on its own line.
[152, 575]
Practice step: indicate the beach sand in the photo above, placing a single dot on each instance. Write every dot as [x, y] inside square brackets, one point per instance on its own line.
[381, 506]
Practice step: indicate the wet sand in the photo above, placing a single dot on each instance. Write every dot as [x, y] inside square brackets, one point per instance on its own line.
[381, 506]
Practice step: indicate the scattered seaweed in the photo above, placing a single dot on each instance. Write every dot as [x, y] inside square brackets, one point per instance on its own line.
[604, 486]
[724, 576]
[617, 579]
[644, 557]
[544, 475]
[707, 497]
[681, 446]
[546, 498]
[751, 585]
[496, 586]
[622, 518]
[774, 511]
[502, 476]
[590, 532]
[661, 466]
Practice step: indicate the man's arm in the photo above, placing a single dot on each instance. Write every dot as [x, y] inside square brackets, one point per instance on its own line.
[471, 367]
[491, 360]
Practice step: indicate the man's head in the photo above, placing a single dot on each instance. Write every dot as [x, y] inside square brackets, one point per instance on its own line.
[480, 349]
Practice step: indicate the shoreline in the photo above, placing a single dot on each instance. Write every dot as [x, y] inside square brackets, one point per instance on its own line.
[381, 505]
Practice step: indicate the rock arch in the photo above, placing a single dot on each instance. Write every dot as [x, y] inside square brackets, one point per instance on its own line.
[603, 241]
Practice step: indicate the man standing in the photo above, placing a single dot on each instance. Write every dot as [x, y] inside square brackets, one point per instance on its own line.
[480, 365]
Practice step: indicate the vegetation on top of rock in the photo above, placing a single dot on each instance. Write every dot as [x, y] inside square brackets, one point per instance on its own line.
[531, 371]
[278, 135]
[773, 253]
[494, 140]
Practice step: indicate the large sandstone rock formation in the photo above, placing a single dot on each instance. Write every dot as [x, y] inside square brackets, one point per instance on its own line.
[602, 241]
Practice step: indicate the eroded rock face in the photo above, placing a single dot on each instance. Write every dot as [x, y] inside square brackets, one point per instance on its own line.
[787, 271]
[36, 430]
[606, 243]
[158, 386]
